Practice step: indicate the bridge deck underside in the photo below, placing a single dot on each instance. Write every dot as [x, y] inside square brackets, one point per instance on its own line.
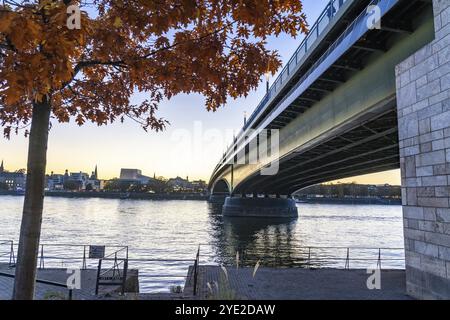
[367, 148]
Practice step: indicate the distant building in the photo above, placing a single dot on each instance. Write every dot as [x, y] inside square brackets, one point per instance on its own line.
[134, 176]
[77, 181]
[55, 181]
[13, 180]
[94, 183]
[351, 190]
[180, 184]
[199, 186]
[79, 176]
[94, 175]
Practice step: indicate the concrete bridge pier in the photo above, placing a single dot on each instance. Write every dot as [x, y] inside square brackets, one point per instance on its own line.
[259, 207]
[218, 198]
[423, 103]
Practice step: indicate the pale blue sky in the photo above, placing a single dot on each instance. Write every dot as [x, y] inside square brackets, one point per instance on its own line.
[191, 145]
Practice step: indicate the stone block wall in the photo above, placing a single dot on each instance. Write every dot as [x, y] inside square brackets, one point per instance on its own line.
[423, 103]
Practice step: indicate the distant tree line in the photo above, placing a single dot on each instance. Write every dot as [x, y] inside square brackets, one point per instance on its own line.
[156, 186]
[342, 190]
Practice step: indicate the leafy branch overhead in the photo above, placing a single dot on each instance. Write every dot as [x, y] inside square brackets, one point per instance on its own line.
[213, 47]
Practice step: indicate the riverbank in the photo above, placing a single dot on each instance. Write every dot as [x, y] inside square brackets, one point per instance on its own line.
[352, 201]
[51, 284]
[296, 284]
[200, 197]
[118, 195]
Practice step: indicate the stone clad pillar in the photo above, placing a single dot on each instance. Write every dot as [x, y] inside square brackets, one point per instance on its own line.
[423, 103]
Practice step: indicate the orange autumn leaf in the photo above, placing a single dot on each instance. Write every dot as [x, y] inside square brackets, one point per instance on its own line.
[211, 47]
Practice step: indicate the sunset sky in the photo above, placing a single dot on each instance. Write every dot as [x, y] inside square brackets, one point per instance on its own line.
[191, 145]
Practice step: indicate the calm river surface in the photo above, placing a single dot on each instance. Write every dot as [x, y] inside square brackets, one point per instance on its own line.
[173, 230]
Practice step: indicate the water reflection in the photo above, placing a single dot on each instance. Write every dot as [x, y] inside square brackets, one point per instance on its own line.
[174, 229]
[269, 240]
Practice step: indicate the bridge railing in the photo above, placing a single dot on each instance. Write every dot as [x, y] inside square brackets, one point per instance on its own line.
[344, 36]
[316, 30]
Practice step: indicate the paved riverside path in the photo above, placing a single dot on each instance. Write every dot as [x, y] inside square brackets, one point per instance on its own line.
[45, 291]
[59, 275]
[301, 284]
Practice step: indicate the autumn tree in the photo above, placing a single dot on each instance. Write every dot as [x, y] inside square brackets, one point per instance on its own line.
[50, 72]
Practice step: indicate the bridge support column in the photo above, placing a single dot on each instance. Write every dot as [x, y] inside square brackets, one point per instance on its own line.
[260, 207]
[218, 198]
[423, 102]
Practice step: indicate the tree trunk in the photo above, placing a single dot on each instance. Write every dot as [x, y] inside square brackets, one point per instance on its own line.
[30, 230]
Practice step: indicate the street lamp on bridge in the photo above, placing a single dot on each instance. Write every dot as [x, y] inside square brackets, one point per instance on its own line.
[267, 74]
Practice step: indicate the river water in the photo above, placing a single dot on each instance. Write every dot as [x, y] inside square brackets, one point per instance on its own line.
[163, 236]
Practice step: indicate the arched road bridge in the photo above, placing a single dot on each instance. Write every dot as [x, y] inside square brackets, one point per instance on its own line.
[360, 95]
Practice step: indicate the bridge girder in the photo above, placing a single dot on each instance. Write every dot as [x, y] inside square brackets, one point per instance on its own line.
[381, 134]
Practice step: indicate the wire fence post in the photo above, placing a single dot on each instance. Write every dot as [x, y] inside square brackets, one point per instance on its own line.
[99, 271]
[309, 257]
[115, 265]
[12, 258]
[70, 294]
[124, 275]
[379, 259]
[347, 260]
[84, 267]
[41, 260]
[196, 263]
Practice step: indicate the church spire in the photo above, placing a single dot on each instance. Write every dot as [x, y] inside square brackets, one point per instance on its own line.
[94, 175]
[2, 168]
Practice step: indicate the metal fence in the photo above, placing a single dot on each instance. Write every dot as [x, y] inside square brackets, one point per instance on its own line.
[72, 255]
[313, 257]
[116, 270]
[157, 273]
[7, 252]
[112, 265]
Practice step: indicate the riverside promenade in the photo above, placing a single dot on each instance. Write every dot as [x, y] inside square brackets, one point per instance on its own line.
[50, 292]
[43, 291]
[296, 284]
[238, 284]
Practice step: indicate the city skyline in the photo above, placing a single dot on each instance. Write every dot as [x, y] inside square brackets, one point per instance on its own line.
[391, 177]
[4, 166]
